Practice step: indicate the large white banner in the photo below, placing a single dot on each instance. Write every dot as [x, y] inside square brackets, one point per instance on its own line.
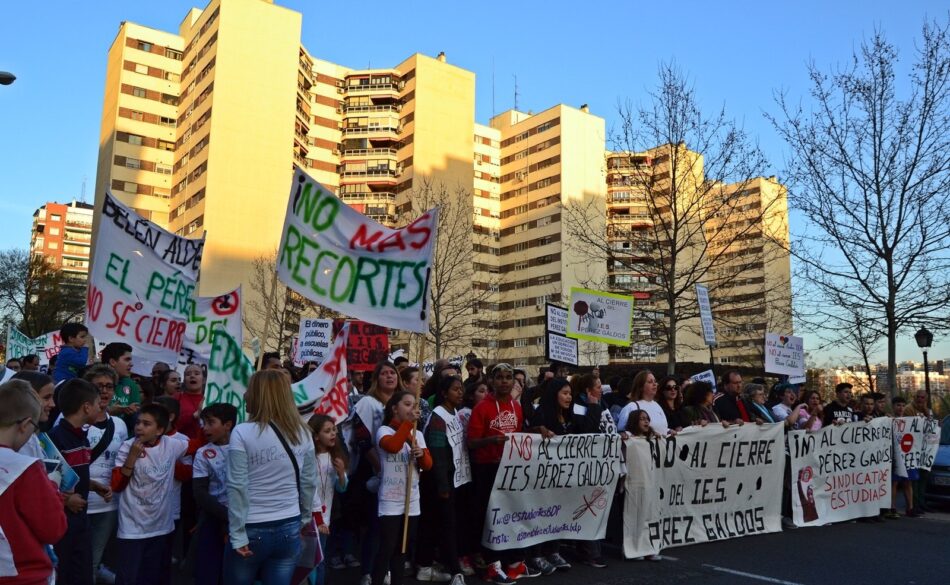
[599, 316]
[142, 284]
[548, 489]
[209, 314]
[785, 354]
[341, 259]
[841, 472]
[324, 391]
[703, 484]
[916, 440]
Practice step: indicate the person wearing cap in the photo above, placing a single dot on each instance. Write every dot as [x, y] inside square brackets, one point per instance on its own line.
[839, 411]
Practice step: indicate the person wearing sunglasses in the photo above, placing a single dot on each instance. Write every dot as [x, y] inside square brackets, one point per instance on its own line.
[671, 401]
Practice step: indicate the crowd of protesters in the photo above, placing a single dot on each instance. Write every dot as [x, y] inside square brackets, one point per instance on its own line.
[165, 483]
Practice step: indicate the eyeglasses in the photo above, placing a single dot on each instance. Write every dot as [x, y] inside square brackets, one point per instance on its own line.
[670, 387]
[105, 386]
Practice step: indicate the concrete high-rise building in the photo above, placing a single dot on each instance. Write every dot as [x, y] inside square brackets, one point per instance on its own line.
[201, 129]
[734, 234]
[62, 234]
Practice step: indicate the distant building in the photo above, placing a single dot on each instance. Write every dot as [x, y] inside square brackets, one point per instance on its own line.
[62, 233]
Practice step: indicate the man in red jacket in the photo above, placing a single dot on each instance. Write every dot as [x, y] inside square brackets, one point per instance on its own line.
[31, 511]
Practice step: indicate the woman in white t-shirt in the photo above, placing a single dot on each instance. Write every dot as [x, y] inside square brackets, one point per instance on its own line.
[271, 479]
[398, 445]
[642, 397]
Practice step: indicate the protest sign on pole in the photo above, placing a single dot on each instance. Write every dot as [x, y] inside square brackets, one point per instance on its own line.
[18, 344]
[324, 391]
[341, 259]
[785, 355]
[705, 314]
[141, 284]
[916, 440]
[367, 345]
[208, 314]
[703, 484]
[549, 489]
[705, 376]
[599, 316]
[558, 347]
[313, 341]
[840, 472]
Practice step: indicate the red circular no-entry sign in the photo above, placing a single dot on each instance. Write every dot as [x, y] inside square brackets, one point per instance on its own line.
[907, 442]
[226, 304]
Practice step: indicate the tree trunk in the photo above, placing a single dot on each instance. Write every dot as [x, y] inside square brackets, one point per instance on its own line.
[671, 344]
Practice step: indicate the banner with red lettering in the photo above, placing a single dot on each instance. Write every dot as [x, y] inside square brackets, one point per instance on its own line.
[141, 283]
[207, 315]
[341, 259]
[840, 472]
[367, 345]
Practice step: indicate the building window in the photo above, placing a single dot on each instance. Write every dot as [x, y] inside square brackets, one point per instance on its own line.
[138, 92]
[53, 245]
[133, 163]
[143, 69]
[129, 187]
[173, 54]
[143, 46]
[53, 231]
[171, 122]
[136, 115]
[135, 139]
[56, 217]
[165, 145]
[172, 76]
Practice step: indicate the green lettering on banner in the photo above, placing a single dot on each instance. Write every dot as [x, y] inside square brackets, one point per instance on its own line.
[174, 293]
[111, 266]
[319, 208]
[216, 393]
[229, 371]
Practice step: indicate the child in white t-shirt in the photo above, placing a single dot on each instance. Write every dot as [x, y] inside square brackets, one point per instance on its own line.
[398, 445]
[331, 479]
[144, 475]
[210, 485]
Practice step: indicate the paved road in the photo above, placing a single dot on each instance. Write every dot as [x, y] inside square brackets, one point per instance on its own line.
[906, 551]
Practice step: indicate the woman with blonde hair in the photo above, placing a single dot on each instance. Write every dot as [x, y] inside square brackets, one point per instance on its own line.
[272, 475]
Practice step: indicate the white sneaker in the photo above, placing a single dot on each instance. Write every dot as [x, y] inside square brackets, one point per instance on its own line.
[458, 579]
[387, 579]
[366, 580]
[430, 574]
[105, 576]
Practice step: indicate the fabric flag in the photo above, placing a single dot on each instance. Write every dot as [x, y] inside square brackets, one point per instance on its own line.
[324, 391]
[142, 283]
[208, 314]
[341, 259]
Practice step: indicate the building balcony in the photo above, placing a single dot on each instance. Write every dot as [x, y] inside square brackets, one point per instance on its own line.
[373, 87]
[369, 197]
[371, 152]
[372, 173]
[371, 130]
[370, 109]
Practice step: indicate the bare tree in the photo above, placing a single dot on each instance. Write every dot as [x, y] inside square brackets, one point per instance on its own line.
[685, 225]
[35, 295]
[870, 169]
[272, 311]
[461, 297]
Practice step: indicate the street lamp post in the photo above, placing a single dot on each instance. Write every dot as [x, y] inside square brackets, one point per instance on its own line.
[924, 340]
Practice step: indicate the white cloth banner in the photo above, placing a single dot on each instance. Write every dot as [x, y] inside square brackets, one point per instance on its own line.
[916, 440]
[341, 259]
[703, 484]
[45, 346]
[840, 472]
[313, 341]
[323, 391]
[549, 489]
[142, 284]
[455, 433]
[209, 314]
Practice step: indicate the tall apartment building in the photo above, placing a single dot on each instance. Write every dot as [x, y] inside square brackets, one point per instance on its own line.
[744, 226]
[62, 233]
[201, 130]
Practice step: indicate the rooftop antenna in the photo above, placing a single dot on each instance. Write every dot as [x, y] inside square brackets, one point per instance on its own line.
[516, 91]
[493, 111]
[82, 192]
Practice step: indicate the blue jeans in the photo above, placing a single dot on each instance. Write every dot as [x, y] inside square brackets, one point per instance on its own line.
[276, 546]
[101, 529]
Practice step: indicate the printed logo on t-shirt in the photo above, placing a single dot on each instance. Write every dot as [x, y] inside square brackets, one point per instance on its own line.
[210, 454]
[505, 422]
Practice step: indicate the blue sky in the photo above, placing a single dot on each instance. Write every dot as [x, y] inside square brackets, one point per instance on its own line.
[736, 52]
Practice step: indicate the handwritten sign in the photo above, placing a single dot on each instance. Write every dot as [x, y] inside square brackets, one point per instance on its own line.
[549, 489]
[705, 314]
[559, 347]
[313, 340]
[785, 355]
[341, 259]
[916, 440]
[367, 345]
[841, 472]
[599, 316]
[704, 484]
[142, 283]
